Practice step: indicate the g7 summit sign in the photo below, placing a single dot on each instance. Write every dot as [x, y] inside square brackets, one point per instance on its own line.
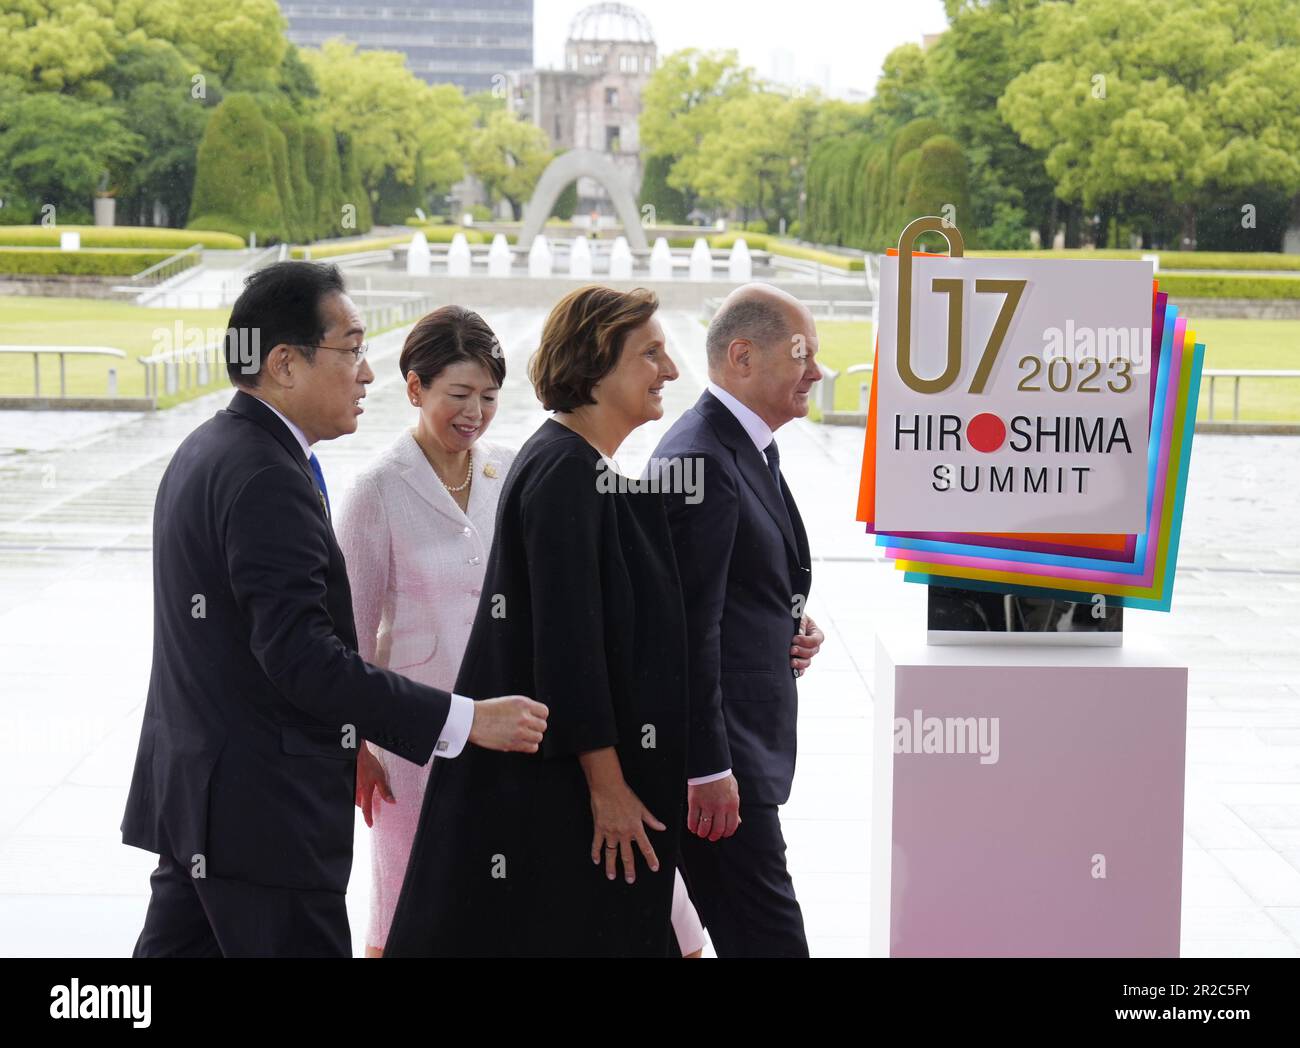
[1013, 394]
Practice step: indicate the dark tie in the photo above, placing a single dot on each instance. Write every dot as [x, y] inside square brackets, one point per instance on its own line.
[774, 462]
[320, 482]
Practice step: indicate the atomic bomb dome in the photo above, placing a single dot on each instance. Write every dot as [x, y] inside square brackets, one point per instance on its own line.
[611, 22]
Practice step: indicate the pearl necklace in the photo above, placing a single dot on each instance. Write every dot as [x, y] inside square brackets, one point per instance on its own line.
[464, 484]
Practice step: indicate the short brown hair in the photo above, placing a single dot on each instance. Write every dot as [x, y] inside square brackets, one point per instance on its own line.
[582, 340]
[449, 335]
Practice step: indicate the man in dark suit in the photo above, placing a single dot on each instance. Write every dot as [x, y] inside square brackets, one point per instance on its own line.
[258, 700]
[743, 557]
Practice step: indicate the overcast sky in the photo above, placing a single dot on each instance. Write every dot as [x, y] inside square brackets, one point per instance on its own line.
[835, 43]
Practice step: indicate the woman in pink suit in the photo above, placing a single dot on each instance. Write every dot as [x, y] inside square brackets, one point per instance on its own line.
[416, 532]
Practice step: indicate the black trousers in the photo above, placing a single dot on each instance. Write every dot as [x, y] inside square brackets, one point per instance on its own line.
[742, 890]
[214, 917]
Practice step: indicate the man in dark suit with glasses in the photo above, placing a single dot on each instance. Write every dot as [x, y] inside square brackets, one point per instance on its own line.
[258, 701]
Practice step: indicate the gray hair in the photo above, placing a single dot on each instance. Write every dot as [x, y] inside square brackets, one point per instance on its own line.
[763, 319]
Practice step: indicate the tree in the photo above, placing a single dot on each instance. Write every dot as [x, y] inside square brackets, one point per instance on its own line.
[567, 202]
[986, 46]
[680, 109]
[60, 150]
[325, 172]
[668, 203]
[354, 191]
[236, 188]
[508, 157]
[392, 118]
[169, 123]
[1158, 100]
[750, 165]
[939, 182]
[903, 92]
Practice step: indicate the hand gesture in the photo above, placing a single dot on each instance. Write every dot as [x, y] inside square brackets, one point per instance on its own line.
[513, 724]
[370, 777]
[619, 819]
[713, 809]
[807, 642]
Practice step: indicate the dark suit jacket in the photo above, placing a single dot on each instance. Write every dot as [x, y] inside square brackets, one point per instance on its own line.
[258, 698]
[746, 572]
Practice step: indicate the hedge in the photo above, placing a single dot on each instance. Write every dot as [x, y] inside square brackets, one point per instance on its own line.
[669, 204]
[767, 242]
[1227, 260]
[118, 236]
[348, 247]
[863, 189]
[1169, 260]
[239, 158]
[321, 156]
[1229, 286]
[446, 234]
[97, 262]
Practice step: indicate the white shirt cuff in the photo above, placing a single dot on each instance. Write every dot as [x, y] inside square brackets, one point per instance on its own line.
[455, 732]
[708, 778]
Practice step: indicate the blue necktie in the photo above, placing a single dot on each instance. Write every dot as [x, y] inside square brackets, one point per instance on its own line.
[320, 481]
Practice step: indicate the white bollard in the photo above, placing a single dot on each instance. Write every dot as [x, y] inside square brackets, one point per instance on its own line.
[701, 261]
[580, 258]
[539, 257]
[69, 241]
[112, 382]
[620, 260]
[458, 257]
[661, 260]
[740, 263]
[499, 257]
[418, 258]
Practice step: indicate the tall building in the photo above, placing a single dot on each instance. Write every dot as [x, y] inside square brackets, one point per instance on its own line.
[595, 101]
[471, 43]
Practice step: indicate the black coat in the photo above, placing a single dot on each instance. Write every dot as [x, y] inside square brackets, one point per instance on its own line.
[581, 610]
[746, 571]
[246, 756]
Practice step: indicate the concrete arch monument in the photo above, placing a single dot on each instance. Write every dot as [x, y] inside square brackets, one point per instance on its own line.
[567, 167]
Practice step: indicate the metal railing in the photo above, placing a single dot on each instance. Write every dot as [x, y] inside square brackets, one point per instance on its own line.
[63, 352]
[233, 283]
[826, 387]
[183, 369]
[355, 258]
[164, 270]
[1217, 373]
[404, 307]
[191, 368]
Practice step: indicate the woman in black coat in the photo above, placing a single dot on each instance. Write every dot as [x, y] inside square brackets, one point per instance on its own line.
[571, 851]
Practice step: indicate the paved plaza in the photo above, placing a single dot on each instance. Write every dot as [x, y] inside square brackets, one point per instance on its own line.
[76, 503]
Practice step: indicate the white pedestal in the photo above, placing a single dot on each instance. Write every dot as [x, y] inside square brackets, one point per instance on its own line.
[1036, 805]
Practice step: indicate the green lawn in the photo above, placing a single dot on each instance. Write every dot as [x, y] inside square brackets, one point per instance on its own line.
[136, 330]
[1241, 344]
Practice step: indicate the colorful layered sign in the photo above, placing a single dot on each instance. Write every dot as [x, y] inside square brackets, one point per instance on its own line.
[1132, 567]
[1013, 396]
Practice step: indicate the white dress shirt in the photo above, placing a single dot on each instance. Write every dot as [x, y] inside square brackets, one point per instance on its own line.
[757, 429]
[761, 435]
[460, 715]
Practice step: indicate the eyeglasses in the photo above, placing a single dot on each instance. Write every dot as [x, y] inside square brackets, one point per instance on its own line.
[358, 352]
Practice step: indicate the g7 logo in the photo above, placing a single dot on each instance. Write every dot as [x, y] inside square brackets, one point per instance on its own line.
[955, 290]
